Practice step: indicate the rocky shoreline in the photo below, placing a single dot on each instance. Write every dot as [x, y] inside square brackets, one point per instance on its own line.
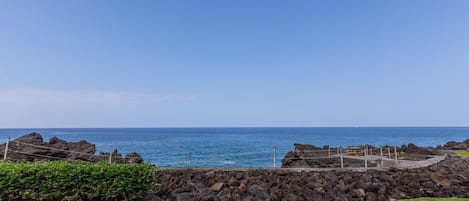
[32, 147]
[445, 178]
[448, 178]
[310, 156]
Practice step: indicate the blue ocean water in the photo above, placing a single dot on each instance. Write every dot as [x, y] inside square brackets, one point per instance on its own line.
[238, 147]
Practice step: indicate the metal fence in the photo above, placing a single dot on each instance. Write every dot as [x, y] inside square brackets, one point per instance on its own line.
[350, 157]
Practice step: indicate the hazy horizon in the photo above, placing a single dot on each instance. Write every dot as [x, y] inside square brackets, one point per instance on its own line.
[238, 127]
[105, 64]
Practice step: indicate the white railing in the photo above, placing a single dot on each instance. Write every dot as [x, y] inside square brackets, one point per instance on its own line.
[351, 157]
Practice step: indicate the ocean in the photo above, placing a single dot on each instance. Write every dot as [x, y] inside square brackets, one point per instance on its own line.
[238, 147]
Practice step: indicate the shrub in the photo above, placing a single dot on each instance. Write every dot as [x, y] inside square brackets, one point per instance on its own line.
[400, 154]
[58, 180]
[463, 154]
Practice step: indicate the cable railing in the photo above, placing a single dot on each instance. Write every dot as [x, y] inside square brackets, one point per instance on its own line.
[11, 147]
[338, 157]
[46, 156]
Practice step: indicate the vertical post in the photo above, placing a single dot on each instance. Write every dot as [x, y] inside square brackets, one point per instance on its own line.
[190, 159]
[371, 151]
[110, 157]
[328, 152]
[6, 149]
[389, 152]
[395, 154]
[381, 154]
[340, 152]
[364, 156]
[275, 157]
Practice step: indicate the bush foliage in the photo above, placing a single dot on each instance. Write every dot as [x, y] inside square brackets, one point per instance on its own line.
[58, 180]
[463, 154]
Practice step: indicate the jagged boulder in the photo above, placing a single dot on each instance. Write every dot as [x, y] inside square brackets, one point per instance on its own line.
[414, 149]
[303, 153]
[58, 143]
[133, 157]
[305, 147]
[453, 145]
[32, 138]
[31, 147]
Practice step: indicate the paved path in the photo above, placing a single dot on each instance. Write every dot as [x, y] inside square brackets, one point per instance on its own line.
[401, 164]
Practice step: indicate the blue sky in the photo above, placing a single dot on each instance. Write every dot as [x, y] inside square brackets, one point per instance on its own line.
[234, 63]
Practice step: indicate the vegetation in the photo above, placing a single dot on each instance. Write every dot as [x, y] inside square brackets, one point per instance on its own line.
[437, 199]
[58, 180]
[400, 154]
[464, 154]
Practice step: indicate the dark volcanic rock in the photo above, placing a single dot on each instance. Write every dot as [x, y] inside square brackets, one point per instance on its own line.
[31, 147]
[448, 178]
[310, 156]
[133, 157]
[414, 149]
[305, 147]
[452, 145]
[32, 138]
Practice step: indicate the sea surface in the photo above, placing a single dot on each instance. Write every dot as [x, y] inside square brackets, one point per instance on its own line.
[238, 147]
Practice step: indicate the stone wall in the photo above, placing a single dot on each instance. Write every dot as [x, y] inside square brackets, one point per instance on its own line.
[448, 178]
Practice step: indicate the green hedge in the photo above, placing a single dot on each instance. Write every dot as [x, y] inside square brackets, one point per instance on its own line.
[74, 181]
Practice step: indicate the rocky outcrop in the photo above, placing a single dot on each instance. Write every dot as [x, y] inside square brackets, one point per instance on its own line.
[449, 178]
[133, 157]
[31, 147]
[310, 156]
[414, 149]
[452, 145]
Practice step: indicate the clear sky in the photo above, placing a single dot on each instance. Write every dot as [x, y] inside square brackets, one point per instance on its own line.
[234, 63]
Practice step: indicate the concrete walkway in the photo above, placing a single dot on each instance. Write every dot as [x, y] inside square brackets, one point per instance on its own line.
[401, 164]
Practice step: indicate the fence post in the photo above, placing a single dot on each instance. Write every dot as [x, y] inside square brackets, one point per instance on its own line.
[341, 154]
[275, 157]
[364, 156]
[190, 159]
[110, 157]
[329, 152]
[6, 149]
[395, 154]
[389, 152]
[381, 154]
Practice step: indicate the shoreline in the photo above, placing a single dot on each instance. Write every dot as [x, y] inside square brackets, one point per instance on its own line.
[448, 178]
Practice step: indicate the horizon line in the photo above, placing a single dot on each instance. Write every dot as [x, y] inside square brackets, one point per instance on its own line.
[200, 127]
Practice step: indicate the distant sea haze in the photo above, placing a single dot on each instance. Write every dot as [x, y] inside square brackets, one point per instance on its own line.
[239, 147]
